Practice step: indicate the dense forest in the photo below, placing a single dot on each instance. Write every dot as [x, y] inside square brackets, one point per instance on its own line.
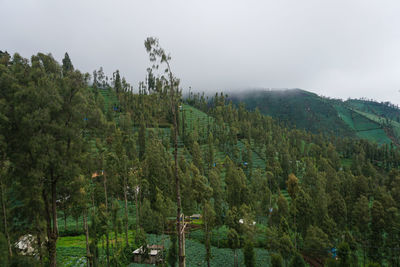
[92, 158]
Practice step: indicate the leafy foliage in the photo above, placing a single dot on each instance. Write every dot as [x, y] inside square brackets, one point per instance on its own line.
[89, 168]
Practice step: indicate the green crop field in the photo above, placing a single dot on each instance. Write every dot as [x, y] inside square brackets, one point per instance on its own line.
[305, 110]
[258, 162]
[195, 252]
[366, 126]
[300, 108]
[379, 109]
[383, 114]
[71, 250]
[76, 226]
[393, 124]
[346, 115]
[378, 136]
[196, 120]
[110, 99]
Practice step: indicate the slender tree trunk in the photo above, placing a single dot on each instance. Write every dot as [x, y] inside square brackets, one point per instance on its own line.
[51, 221]
[174, 107]
[207, 242]
[295, 225]
[107, 242]
[178, 195]
[364, 253]
[48, 221]
[107, 237]
[137, 209]
[93, 206]
[3, 202]
[115, 230]
[65, 220]
[53, 260]
[116, 237]
[39, 245]
[183, 125]
[126, 211]
[85, 225]
[140, 205]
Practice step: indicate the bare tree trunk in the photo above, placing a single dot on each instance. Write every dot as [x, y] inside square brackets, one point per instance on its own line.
[3, 200]
[174, 107]
[155, 51]
[177, 188]
[51, 221]
[53, 259]
[85, 225]
[107, 237]
[126, 211]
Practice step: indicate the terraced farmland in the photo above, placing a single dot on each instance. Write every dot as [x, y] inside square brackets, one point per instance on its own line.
[196, 120]
[378, 109]
[258, 162]
[110, 99]
[394, 125]
[365, 125]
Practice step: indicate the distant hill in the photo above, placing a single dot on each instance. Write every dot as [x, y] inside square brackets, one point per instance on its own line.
[377, 122]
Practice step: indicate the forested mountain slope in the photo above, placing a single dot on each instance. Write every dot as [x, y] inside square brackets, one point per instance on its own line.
[88, 172]
[377, 122]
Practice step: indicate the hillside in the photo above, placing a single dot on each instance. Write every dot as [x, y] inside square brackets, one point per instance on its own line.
[102, 172]
[296, 107]
[376, 122]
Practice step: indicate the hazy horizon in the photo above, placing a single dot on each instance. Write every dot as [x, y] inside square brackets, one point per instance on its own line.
[337, 48]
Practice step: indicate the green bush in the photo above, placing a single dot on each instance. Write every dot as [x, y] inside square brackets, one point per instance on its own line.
[276, 260]
[3, 250]
[297, 261]
[19, 260]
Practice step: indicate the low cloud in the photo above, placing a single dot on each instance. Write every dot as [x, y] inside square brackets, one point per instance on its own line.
[336, 48]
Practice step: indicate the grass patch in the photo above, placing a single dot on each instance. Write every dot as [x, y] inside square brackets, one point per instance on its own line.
[72, 241]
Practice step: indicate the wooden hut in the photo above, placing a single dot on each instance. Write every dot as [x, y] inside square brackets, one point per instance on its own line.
[151, 255]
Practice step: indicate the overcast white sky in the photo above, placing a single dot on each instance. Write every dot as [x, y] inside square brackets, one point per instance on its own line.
[338, 48]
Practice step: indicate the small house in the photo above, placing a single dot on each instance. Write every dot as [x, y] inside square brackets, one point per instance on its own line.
[241, 221]
[151, 255]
